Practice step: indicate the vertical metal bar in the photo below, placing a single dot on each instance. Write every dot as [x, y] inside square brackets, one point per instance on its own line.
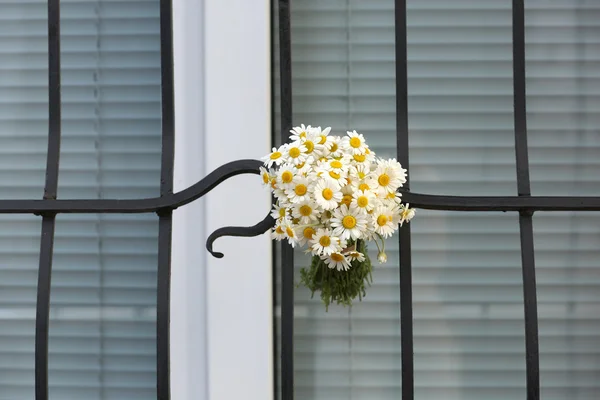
[287, 253]
[406, 312]
[165, 225]
[42, 317]
[525, 217]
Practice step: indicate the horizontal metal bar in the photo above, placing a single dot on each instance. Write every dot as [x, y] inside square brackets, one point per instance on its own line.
[156, 204]
[199, 189]
[501, 203]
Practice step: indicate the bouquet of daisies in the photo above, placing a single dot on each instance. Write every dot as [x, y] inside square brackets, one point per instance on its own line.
[334, 196]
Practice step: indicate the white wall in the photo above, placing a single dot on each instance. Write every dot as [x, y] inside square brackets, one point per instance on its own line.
[221, 325]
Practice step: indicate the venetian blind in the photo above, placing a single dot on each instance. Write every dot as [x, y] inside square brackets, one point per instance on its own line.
[467, 285]
[102, 328]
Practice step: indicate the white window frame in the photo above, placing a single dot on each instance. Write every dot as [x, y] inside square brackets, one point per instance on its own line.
[221, 310]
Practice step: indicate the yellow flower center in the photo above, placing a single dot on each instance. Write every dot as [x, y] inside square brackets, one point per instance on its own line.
[391, 195]
[326, 215]
[282, 212]
[367, 151]
[273, 183]
[310, 146]
[302, 135]
[327, 194]
[337, 257]
[287, 176]
[300, 189]
[361, 175]
[355, 142]
[360, 157]
[334, 147]
[363, 187]
[325, 241]
[349, 222]
[296, 221]
[405, 213]
[362, 201]
[382, 220]
[305, 210]
[289, 232]
[308, 232]
[384, 180]
[279, 230]
[334, 175]
[336, 164]
[294, 152]
[275, 155]
[323, 139]
[347, 199]
[300, 165]
[266, 178]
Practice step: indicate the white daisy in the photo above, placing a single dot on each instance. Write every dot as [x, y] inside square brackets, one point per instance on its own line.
[278, 232]
[354, 143]
[266, 176]
[406, 213]
[274, 157]
[386, 178]
[299, 132]
[382, 257]
[279, 212]
[383, 221]
[394, 198]
[289, 232]
[355, 255]
[333, 147]
[336, 261]
[306, 211]
[348, 222]
[324, 242]
[327, 194]
[285, 175]
[305, 234]
[321, 135]
[298, 190]
[314, 149]
[364, 200]
[294, 153]
[347, 192]
[365, 158]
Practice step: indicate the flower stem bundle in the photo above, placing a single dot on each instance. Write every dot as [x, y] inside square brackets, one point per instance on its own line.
[333, 196]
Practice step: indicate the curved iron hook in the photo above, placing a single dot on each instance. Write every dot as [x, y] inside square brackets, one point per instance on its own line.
[249, 231]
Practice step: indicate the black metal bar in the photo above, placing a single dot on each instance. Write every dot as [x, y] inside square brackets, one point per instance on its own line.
[42, 320]
[165, 224]
[287, 253]
[406, 311]
[524, 190]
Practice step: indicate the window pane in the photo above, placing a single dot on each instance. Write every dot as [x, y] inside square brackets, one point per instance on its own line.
[461, 97]
[19, 248]
[567, 256]
[563, 96]
[23, 99]
[469, 330]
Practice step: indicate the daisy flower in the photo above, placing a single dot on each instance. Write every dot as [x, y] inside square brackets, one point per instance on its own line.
[327, 194]
[333, 147]
[306, 211]
[324, 242]
[274, 157]
[365, 158]
[279, 230]
[348, 222]
[383, 221]
[336, 261]
[406, 213]
[290, 233]
[386, 178]
[355, 255]
[321, 135]
[298, 190]
[313, 148]
[279, 212]
[285, 175]
[305, 234]
[354, 143]
[294, 153]
[299, 132]
[364, 200]
[266, 176]
[395, 197]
